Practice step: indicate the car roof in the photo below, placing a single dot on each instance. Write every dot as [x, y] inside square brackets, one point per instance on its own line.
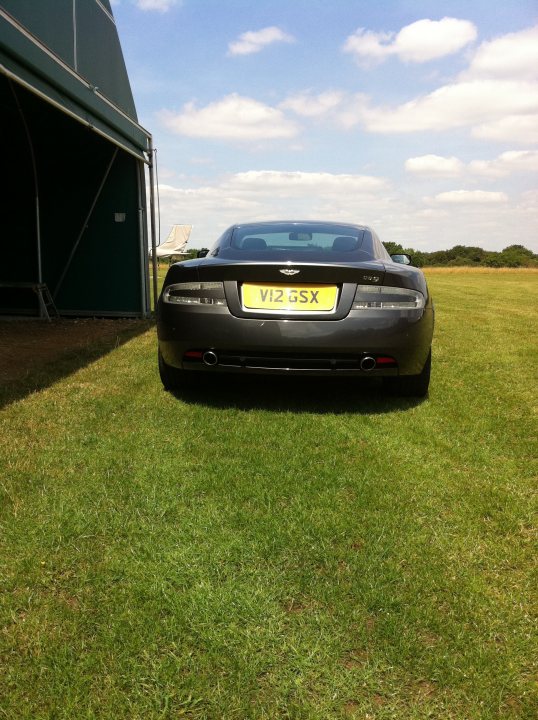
[335, 223]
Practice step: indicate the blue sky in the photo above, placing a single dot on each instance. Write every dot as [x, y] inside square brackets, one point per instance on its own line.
[418, 118]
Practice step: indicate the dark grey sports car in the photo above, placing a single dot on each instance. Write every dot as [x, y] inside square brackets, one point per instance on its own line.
[297, 298]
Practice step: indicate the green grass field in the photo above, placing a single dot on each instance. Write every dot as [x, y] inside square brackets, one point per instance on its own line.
[278, 549]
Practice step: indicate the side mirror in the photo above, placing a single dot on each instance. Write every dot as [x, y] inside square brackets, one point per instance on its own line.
[202, 253]
[402, 259]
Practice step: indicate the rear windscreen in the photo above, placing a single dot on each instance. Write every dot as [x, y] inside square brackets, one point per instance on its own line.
[297, 241]
[305, 238]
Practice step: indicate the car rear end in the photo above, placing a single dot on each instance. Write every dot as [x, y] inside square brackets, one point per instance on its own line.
[253, 317]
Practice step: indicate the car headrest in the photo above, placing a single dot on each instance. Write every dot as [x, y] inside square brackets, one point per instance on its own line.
[345, 243]
[253, 243]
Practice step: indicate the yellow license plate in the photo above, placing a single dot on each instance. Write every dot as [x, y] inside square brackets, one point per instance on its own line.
[295, 298]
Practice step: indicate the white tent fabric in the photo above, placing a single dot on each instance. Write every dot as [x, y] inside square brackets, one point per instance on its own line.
[175, 242]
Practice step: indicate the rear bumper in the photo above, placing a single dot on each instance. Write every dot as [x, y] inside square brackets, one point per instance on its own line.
[405, 335]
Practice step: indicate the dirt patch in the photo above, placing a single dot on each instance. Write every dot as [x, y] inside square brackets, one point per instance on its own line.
[425, 688]
[351, 708]
[27, 345]
[356, 659]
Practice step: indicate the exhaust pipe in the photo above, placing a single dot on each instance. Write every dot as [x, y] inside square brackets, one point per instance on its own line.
[367, 363]
[210, 358]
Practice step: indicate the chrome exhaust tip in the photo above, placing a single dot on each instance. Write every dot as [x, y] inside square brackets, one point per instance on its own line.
[210, 358]
[367, 363]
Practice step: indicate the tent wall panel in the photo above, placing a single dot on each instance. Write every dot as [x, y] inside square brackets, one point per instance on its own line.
[105, 273]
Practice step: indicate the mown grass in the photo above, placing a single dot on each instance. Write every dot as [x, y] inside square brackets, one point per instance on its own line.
[279, 549]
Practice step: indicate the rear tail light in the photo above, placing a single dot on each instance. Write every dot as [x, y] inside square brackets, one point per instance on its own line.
[195, 293]
[387, 298]
[385, 361]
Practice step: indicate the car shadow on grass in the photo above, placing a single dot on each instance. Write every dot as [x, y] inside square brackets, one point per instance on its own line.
[35, 354]
[321, 395]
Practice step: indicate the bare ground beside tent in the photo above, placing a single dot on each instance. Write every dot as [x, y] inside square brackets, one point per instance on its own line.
[29, 344]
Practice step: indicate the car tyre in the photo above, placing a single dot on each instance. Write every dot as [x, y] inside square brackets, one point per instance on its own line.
[411, 385]
[172, 378]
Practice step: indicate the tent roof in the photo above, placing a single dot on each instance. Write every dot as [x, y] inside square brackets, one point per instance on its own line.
[49, 47]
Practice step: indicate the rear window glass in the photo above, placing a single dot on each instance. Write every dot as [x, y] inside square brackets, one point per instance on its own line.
[299, 239]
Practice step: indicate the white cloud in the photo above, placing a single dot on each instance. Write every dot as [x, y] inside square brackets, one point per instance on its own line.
[514, 55]
[232, 118]
[254, 41]
[512, 161]
[471, 197]
[478, 102]
[506, 164]
[367, 46]
[419, 42]
[496, 97]
[309, 105]
[158, 5]
[319, 183]
[511, 128]
[529, 200]
[434, 166]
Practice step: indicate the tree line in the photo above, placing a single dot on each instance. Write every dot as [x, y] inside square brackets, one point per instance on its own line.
[512, 256]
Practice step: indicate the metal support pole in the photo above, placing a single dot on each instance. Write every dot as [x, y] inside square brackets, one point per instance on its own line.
[143, 240]
[152, 224]
[38, 233]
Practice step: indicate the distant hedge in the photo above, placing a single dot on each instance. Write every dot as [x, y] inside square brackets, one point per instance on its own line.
[512, 256]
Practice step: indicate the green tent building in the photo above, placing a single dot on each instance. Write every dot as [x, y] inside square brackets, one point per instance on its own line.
[74, 223]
